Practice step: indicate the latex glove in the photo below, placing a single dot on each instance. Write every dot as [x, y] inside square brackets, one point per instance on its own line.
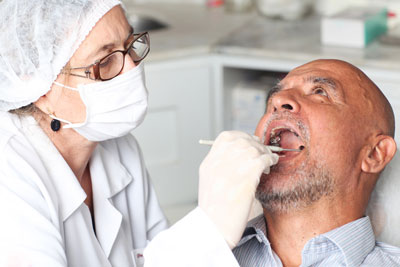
[229, 176]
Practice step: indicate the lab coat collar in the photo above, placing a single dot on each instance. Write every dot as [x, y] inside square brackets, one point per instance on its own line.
[109, 177]
[107, 170]
[69, 191]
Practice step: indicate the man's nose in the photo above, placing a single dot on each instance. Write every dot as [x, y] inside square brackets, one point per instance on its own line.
[285, 101]
[129, 64]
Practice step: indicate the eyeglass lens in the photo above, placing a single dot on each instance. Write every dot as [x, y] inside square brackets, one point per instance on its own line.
[140, 48]
[112, 65]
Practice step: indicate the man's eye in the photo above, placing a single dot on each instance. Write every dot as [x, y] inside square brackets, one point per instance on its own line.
[320, 91]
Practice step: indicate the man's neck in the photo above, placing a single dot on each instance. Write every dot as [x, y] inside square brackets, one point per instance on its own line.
[289, 232]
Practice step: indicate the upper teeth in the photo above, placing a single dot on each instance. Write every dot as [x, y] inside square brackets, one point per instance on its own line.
[275, 141]
[275, 135]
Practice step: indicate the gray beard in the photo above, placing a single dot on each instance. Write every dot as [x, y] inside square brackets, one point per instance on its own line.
[304, 188]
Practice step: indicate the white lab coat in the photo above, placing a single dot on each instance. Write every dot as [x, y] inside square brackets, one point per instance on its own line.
[45, 221]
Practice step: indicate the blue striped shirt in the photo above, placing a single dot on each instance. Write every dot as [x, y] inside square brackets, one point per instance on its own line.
[350, 245]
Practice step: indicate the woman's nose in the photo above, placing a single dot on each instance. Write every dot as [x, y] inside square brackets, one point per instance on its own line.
[285, 100]
[129, 64]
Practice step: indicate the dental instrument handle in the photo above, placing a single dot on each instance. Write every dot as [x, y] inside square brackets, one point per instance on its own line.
[273, 148]
[206, 142]
[279, 149]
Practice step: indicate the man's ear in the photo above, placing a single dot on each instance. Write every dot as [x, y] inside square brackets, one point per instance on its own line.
[380, 155]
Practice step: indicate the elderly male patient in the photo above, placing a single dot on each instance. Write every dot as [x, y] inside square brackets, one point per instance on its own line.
[314, 201]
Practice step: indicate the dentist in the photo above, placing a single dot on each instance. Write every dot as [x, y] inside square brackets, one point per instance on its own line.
[74, 190]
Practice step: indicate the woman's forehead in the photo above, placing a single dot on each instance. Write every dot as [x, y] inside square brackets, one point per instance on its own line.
[109, 33]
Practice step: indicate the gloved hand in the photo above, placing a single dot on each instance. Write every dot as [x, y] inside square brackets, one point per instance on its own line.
[229, 176]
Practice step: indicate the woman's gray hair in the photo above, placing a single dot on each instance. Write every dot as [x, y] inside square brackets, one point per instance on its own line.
[25, 110]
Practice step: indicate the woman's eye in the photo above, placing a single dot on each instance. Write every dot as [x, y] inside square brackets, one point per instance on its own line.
[320, 91]
[104, 63]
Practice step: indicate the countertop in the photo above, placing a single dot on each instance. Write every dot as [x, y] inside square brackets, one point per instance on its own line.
[193, 29]
[197, 30]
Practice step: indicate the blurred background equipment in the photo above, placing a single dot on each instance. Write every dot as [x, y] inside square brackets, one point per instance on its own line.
[285, 9]
[238, 5]
[143, 23]
[249, 100]
[392, 37]
[214, 3]
[248, 105]
[354, 27]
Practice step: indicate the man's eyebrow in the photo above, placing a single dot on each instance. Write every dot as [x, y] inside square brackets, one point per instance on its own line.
[277, 87]
[109, 46]
[330, 83]
[322, 80]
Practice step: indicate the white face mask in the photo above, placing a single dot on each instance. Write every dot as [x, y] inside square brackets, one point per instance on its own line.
[113, 108]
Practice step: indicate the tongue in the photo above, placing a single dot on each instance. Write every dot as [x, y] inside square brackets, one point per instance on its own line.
[289, 140]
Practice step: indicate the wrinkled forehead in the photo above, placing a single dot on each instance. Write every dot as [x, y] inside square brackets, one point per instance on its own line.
[344, 78]
[335, 71]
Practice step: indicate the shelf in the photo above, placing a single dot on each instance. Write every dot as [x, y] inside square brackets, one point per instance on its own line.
[245, 92]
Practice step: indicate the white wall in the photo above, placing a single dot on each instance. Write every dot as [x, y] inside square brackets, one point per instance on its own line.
[360, 2]
[329, 7]
[324, 7]
[167, 1]
[332, 1]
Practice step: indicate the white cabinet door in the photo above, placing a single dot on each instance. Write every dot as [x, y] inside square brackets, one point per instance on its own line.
[179, 115]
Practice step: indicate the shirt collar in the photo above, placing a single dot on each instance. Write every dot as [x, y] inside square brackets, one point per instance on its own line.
[256, 228]
[355, 240]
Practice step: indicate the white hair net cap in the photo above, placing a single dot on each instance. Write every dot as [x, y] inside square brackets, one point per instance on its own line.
[37, 39]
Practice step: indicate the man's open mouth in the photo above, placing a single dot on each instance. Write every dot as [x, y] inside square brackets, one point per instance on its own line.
[284, 136]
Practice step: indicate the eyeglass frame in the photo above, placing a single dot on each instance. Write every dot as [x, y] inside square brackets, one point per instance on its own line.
[95, 65]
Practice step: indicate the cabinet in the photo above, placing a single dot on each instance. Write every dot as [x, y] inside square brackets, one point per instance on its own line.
[180, 113]
[245, 94]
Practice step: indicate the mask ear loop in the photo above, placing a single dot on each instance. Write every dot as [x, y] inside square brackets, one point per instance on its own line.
[56, 121]
[55, 124]
[66, 86]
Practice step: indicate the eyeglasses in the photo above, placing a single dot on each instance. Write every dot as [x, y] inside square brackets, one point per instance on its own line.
[111, 65]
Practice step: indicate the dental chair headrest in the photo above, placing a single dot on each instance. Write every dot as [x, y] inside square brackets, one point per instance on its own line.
[383, 207]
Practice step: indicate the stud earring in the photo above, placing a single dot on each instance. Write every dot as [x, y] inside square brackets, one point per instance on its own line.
[55, 125]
